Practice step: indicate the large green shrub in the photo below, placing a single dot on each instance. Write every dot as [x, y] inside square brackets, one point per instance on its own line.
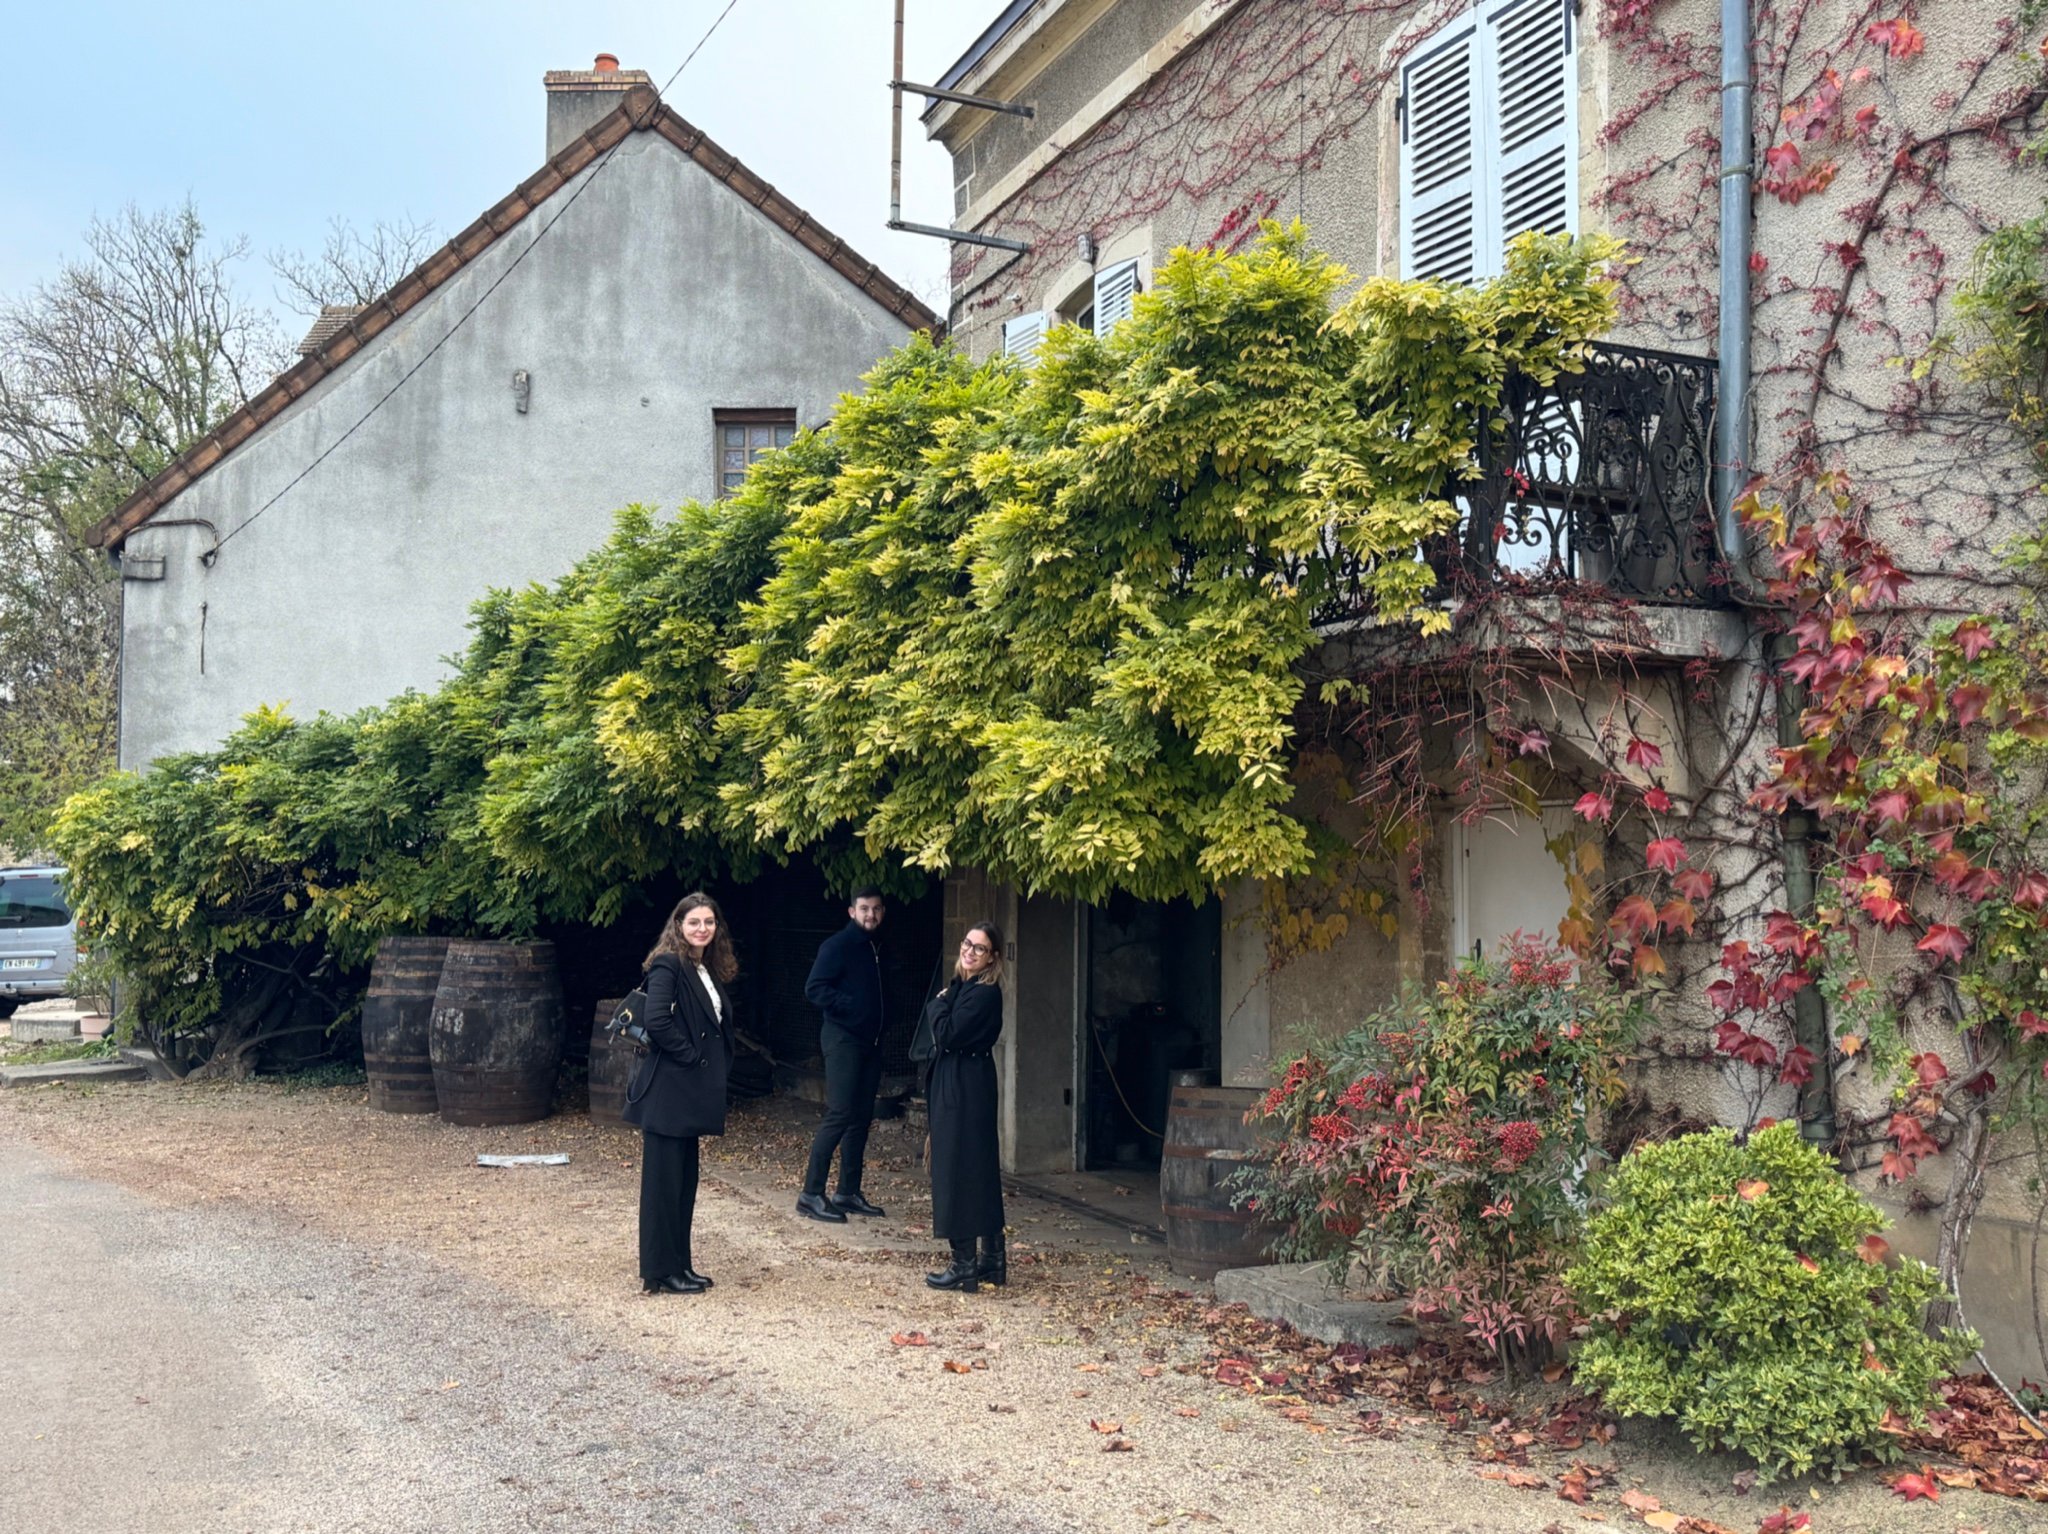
[1741, 1288]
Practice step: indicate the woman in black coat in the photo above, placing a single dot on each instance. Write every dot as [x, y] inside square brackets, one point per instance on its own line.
[967, 1185]
[677, 1092]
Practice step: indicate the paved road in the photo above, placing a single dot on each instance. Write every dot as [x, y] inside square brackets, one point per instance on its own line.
[173, 1370]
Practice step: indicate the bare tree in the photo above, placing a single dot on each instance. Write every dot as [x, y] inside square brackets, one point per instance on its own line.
[107, 373]
[351, 268]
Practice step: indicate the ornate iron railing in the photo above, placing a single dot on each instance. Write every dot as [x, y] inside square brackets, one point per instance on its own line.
[1603, 479]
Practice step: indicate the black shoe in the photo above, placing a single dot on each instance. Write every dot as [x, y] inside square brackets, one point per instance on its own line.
[816, 1206]
[677, 1283]
[960, 1273]
[695, 1277]
[853, 1203]
[993, 1267]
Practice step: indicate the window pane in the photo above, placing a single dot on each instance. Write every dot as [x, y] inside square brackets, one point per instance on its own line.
[735, 436]
[733, 460]
[784, 435]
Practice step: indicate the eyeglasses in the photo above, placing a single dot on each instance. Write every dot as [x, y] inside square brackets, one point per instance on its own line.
[980, 950]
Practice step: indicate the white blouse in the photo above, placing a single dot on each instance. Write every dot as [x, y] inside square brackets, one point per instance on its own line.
[711, 990]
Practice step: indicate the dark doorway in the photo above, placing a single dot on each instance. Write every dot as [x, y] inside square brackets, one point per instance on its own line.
[781, 917]
[1155, 991]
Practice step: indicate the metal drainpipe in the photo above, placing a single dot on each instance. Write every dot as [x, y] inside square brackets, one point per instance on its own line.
[1809, 1008]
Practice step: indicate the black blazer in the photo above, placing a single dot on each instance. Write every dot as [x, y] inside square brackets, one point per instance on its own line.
[678, 1087]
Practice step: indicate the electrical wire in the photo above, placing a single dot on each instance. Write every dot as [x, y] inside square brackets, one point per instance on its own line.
[408, 375]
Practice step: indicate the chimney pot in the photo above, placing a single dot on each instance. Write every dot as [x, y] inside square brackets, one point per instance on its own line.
[607, 63]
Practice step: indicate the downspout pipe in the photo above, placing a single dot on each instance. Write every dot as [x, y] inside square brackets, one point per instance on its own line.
[1810, 1025]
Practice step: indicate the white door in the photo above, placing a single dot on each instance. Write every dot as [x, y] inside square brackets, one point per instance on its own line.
[1505, 880]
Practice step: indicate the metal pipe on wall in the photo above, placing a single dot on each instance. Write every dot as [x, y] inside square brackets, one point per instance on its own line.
[896, 127]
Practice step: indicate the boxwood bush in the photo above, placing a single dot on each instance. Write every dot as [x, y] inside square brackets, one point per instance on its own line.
[1741, 1288]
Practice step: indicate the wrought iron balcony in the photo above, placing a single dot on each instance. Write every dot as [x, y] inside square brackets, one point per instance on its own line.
[1600, 480]
[1603, 478]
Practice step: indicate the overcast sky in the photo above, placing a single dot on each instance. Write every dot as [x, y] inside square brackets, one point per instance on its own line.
[276, 118]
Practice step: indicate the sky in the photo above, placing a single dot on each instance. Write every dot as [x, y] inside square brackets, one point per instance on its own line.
[278, 118]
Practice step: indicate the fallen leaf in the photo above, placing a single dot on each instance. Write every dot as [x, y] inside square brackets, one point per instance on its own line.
[1917, 1487]
[1082, 1395]
[1750, 1190]
[1640, 1502]
[1572, 1487]
[1186, 1411]
[911, 1340]
[1661, 1520]
[1104, 1425]
[1001, 1407]
[1808, 1263]
[1118, 1446]
[1150, 1372]
[954, 1366]
[1744, 1482]
[1783, 1521]
[451, 1384]
[1521, 1480]
[1553, 1372]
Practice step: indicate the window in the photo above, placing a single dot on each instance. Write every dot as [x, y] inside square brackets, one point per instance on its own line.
[743, 436]
[1489, 138]
[32, 900]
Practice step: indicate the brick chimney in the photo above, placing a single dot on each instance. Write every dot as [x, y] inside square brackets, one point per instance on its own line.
[577, 98]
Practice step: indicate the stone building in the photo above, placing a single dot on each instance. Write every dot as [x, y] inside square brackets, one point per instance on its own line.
[1415, 138]
[631, 324]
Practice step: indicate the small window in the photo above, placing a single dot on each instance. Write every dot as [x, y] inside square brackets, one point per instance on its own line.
[743, 436]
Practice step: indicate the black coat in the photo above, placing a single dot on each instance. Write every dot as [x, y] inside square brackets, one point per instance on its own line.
[678, 1087]
[846, 984]
[967, 1179]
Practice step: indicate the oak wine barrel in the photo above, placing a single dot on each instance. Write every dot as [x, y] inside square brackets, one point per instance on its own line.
[495, 1038]
[611, 1066]
[396, 1012]
[1207, 1144]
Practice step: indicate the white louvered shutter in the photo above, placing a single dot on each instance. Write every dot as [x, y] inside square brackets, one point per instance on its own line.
[1116, 290]
[1530, 116]
[1441, 158]
[1022, 334]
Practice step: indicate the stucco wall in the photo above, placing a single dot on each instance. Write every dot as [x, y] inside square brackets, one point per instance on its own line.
[658, 296]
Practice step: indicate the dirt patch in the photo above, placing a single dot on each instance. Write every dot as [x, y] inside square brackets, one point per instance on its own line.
[1087, 1388]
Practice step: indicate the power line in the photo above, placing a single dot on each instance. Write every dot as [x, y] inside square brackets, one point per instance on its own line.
[407, 376]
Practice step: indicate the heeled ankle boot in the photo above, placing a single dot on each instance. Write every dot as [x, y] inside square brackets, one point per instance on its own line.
[994, 1267]
[962, 1273]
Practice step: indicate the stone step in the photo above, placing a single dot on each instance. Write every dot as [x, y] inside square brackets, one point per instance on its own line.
[93, 1071]
[1300, 1294]
[43, 1030]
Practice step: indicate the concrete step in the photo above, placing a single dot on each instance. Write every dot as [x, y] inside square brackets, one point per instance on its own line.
[94, 1071]
[24, 1029]
[1300, 1294]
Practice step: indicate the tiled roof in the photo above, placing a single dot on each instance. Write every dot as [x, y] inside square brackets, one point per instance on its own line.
[641, 112]
[332, 318]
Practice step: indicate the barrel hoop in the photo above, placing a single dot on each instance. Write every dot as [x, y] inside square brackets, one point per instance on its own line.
[1214, 1216]
[1205, 1153]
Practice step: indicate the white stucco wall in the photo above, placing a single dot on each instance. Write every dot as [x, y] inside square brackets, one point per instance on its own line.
[659, 296]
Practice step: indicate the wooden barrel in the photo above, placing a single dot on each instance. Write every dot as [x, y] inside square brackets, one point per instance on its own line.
[495, 1038]
[611, 1067]
[396, 1011]
[1207, 1144]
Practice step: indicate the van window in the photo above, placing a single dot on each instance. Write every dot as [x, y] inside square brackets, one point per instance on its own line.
[32, 900]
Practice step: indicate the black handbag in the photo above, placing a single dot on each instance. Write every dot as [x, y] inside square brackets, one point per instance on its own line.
[924, 1047]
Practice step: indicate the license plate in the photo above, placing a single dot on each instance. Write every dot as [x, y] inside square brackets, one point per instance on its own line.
[21, 963]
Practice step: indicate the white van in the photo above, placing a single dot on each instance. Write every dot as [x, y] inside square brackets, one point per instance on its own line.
[38, 942]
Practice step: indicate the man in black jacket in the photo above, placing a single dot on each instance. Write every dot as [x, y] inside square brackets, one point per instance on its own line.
[846, 985]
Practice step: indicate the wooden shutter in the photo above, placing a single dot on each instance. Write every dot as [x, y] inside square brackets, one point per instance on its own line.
[1530, 116]
[1441, 158]
[1022, 334]
[1116, 290]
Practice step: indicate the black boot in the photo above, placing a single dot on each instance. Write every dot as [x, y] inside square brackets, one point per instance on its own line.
[961, 1273]
[994, 1267]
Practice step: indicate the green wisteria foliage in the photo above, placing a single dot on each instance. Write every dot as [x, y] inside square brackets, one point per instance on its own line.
[1042, 621]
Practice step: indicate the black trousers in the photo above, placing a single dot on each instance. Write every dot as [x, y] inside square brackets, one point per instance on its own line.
[668, 1203]
[853, 1071]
